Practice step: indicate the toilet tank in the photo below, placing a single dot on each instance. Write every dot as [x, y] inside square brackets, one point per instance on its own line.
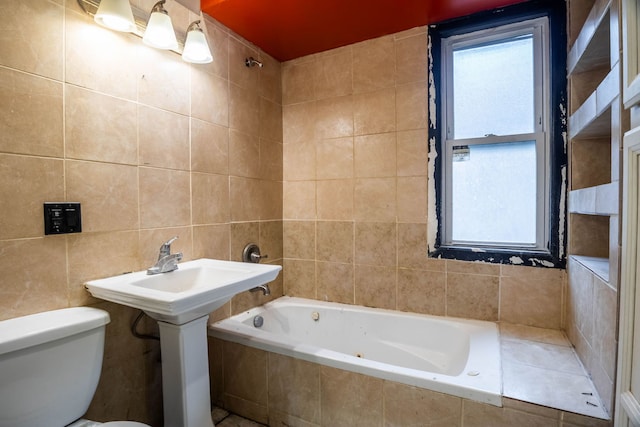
[50, 365]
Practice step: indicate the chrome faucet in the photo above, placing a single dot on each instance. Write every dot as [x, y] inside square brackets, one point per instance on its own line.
[264, 288]
[251, 253]
[166, 260]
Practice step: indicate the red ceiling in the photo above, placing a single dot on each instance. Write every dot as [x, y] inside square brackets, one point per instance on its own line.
[288, 29]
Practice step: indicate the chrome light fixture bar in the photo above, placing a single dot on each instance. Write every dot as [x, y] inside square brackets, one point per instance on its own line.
[140, 17]
[196, 50]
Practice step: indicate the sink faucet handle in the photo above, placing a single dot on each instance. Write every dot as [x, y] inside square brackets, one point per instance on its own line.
[251, 253]
[256, 257]
[165, 249]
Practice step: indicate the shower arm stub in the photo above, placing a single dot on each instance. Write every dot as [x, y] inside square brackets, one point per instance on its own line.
[251, 253]
[252, 62]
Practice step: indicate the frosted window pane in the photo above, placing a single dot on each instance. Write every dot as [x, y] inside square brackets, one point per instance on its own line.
[494, 193]
[493, 89]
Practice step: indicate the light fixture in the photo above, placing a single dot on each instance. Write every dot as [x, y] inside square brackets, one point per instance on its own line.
[116, 15]
[196, 48]
[159, 32]
[155, 27]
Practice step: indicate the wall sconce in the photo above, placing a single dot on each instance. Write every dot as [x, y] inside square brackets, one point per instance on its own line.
[159, 32]
[113, 14]
[196, 49]
[116, 15]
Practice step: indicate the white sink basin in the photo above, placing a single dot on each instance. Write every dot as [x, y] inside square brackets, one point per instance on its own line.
[194, 290]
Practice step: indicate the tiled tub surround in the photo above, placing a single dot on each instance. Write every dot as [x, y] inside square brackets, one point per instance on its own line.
[279, 390]
[355, 211]
[152, 147]
[355, 214]
[454, 356]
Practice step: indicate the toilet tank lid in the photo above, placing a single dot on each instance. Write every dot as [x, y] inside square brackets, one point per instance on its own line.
[35, 329]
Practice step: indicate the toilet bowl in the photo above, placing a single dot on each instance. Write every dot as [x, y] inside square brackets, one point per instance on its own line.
[50, 365]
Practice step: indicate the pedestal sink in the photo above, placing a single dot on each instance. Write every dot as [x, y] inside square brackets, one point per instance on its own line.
[181, 302]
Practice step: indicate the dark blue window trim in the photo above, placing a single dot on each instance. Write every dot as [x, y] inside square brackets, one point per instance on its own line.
[555, 10]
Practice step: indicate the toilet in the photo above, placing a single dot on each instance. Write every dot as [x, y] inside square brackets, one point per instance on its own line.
[50, 365]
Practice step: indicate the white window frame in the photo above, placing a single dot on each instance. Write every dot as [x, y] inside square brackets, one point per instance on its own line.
[539, 29]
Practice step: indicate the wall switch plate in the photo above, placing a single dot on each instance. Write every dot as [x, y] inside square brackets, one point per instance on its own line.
[62, 218]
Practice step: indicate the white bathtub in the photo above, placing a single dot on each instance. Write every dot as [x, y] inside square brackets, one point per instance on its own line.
[455, 356]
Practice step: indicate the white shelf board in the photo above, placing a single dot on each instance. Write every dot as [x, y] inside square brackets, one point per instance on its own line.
[598, 266]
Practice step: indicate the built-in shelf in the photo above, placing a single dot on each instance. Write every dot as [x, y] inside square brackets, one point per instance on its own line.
[590, 234]
[591, 48]
[598, 200]
[593, 118]
[594, 78]
[598, 266]
[595, 126]
[594, 121]
[590, 162]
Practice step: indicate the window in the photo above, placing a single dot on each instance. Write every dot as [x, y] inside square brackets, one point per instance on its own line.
[496, 139]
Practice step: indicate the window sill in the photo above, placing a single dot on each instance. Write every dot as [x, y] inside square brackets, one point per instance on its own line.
[498, 256]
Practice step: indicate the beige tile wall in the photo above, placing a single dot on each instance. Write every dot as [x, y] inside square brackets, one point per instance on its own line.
[152, 147]
[282, 391]
[592, 327]
[355, 194]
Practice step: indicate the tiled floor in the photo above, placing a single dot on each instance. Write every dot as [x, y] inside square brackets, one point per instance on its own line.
[540, 366]
[222, 418]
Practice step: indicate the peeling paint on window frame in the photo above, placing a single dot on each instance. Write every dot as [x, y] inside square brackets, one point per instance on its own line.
[555, 255]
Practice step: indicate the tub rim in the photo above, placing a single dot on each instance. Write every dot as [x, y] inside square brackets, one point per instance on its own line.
[489, 391]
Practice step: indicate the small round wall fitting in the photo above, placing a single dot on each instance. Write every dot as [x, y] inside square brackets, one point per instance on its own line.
[251, 253]
[258, 321]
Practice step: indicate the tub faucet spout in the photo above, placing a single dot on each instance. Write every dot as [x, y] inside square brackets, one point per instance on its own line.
[264, 288]
[166, 260]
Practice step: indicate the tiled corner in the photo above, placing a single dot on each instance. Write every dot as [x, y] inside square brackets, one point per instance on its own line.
[539, 366]
[542, 308]
[223, 418]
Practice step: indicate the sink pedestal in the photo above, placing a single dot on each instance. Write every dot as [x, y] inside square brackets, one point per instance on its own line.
[181, 302]
[185, 374]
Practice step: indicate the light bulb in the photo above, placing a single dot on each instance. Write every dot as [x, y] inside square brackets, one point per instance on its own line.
[115, 15]
[196, 48]
[159, 32]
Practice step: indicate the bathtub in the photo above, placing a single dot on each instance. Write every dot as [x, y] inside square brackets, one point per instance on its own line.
[454, 356]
